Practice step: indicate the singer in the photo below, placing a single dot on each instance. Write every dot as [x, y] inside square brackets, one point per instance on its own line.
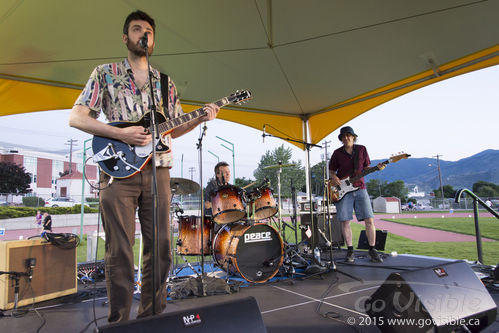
[123, 93]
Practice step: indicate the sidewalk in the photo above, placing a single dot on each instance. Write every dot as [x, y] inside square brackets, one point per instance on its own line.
[421, 234]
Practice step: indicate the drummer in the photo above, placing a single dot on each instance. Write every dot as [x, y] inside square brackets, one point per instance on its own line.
[222, 177]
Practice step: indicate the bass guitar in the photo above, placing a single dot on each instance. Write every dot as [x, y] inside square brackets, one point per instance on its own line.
[121, 160]
[337, 192]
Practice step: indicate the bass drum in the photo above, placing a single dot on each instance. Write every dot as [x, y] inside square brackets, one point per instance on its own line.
[255, 251]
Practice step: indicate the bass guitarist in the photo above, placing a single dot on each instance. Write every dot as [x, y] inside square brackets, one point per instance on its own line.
[122, 92]
[349, 160]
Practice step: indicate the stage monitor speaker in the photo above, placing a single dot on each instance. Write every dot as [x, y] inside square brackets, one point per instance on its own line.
[319, 220]
[241, 315]
[380, 240]
[442, 298]
[54, 274]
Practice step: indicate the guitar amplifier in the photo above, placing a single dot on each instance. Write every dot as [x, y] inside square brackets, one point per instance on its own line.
[53, 275]
[337, 238]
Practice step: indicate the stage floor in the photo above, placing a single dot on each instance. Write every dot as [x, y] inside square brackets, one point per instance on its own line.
[332, 301]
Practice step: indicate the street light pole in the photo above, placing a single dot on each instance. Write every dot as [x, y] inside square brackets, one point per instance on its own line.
[82, 211]
[218, 158]
[233, 157]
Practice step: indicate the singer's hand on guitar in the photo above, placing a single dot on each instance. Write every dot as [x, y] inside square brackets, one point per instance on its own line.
[381, 166]
[135, 135]
[211, 112]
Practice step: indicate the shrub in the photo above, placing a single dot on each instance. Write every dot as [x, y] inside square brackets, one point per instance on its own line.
[33, 202]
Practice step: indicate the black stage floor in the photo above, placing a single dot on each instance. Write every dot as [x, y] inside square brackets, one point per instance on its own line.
[332, 301]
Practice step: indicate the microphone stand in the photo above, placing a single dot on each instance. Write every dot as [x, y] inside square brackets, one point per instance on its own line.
[16, 277]
[200, 149]
[308, 146]
[155, 136]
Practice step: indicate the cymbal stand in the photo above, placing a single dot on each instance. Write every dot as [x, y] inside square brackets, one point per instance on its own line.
[293, 217]
[279, 171]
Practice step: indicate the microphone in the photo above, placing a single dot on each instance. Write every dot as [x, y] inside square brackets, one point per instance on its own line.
[263, 135]
[328, 243]
[143, 41]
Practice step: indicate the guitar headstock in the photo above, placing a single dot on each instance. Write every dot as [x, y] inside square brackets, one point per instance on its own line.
[400, 156]
[240, 97]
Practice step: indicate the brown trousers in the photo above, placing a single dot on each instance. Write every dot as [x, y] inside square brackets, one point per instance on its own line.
[119, 202]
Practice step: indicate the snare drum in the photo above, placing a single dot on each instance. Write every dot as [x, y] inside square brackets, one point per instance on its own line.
[189, 238]
[254, 251]
[227, 204]
[264, 203]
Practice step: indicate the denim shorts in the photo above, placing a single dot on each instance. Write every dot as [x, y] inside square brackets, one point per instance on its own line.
[358, 201]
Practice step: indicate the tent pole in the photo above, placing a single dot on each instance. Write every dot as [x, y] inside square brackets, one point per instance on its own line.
[306, 138]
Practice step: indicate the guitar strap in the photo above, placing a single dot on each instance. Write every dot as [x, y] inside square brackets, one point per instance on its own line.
[165, 94]
[355, 157]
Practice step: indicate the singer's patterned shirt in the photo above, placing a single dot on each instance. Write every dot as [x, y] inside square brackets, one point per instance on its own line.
[111, 89]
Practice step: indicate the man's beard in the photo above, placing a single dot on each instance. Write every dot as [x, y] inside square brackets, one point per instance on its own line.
[138, 50]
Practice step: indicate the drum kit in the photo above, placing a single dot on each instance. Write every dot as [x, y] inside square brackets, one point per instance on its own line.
[238, 235]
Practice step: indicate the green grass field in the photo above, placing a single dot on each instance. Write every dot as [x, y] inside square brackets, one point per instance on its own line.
[489, 228]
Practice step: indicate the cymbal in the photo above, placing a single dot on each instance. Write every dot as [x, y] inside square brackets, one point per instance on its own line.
[183, 186]
[278, 166]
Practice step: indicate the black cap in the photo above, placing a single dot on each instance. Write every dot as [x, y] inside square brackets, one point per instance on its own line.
[345, 130]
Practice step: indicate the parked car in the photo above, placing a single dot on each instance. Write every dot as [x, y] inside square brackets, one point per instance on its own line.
[60, 202]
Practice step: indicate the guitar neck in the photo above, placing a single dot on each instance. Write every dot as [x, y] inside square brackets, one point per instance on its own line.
[176, 122]
[366, 172]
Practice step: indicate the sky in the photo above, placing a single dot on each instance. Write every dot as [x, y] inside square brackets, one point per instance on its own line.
[455, 118]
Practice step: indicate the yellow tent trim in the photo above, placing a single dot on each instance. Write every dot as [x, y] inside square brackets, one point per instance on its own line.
[23, 95]
[337, 115]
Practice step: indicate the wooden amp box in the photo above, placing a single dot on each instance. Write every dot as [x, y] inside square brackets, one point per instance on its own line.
[54, 275]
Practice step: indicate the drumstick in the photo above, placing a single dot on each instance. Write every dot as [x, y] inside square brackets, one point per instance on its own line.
[251, 184]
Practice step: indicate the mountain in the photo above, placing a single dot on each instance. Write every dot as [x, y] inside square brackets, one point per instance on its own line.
[423, 172]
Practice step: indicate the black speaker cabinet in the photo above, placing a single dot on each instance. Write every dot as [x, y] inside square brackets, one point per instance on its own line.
[380, 240]
[241, 315]
[54, 274]
[442, 298]
[319, 222]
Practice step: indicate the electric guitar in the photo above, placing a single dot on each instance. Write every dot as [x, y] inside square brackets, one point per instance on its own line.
[337, 192]
[121, 160]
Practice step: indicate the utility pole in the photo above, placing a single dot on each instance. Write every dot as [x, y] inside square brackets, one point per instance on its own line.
[191, 170]
[440, 178]
[70, 144]
[325, 158]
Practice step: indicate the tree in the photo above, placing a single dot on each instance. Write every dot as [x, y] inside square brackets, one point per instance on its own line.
[289, 174]
[242, 182]
[449, 192]
[317, 178]
[376, 187]
[485, 189]
[397, 189]
[14, 179]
